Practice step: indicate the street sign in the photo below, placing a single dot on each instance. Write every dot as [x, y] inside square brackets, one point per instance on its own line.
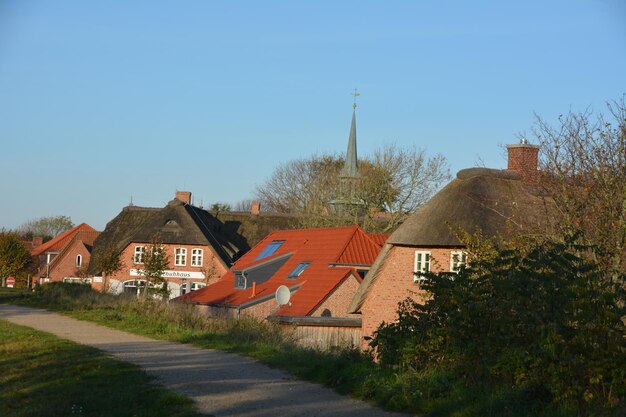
[10, 282]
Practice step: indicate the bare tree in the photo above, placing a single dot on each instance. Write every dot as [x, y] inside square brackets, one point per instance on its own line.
[394, 181]
[583, 159]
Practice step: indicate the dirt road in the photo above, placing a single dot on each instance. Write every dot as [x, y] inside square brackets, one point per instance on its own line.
[221, 383]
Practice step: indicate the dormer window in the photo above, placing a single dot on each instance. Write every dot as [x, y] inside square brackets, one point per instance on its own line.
[270, 249]
[79, 261]
[299, 269]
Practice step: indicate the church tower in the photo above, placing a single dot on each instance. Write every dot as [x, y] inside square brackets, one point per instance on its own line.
[347, 201]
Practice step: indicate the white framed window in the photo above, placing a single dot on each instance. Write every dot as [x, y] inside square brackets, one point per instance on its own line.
[180, 256]
[79, 261]
[196, 257]
[457, 260]
[422, 265]
[139, 253]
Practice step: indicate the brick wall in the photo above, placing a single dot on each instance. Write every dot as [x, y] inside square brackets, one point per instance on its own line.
[395, 283]
[211, 266]
[338, 301]
[65, 264]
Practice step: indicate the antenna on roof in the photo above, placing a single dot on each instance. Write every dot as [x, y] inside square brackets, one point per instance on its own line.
[523, 141]
[131, 201]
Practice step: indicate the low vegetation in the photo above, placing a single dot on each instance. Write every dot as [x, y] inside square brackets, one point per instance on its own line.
[533, 332]
[42, 375]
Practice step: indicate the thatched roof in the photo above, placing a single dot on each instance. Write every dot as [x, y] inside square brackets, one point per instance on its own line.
[176, 223]
[493, 202]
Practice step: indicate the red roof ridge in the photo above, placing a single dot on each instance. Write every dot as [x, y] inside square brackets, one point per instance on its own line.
[44, 247]
[345, 246]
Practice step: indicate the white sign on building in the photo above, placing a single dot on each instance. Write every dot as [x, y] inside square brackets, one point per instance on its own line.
[172, 274]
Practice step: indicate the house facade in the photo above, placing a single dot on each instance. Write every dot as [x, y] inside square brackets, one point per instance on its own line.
[66, 257]
[493, 203]
[198, 249]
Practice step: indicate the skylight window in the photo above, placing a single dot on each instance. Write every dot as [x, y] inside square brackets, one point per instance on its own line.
[270, 249]
[298, 270]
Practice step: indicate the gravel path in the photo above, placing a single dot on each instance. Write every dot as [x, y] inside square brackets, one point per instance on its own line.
[221, 383]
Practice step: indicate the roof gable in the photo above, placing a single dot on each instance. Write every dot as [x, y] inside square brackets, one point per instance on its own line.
[57, 243]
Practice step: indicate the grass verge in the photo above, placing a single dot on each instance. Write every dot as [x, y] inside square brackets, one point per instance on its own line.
[432, 393]
[42, 375]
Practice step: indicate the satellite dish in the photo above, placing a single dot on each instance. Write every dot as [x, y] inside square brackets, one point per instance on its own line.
[283, 295]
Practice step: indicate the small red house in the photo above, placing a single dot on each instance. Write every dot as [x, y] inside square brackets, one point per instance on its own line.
[322, 268]
[66, 257]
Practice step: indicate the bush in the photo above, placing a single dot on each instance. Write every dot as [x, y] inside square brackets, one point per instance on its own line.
[545, 323]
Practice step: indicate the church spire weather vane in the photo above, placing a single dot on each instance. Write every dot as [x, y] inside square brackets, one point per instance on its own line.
[355, 94]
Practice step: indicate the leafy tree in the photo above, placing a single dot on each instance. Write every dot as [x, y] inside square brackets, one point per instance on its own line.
[14, 257]
[109, 264]
[542, 320]
[394, 181]
[155, 262]
[46, 227]
[583, 158]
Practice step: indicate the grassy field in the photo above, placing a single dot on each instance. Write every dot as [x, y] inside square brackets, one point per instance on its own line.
[42, 375]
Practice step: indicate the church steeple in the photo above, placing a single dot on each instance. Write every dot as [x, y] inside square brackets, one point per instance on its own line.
[347, 199]
[351, 166]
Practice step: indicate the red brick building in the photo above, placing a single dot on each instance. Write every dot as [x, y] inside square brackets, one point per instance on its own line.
[66, 257]
[492, 202]
[198, 247]
[322, 268]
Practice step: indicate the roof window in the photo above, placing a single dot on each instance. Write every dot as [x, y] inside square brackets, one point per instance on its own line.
[270, 249]
[298, 270]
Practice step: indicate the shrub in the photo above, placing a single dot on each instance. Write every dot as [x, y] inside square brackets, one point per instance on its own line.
[544, 322]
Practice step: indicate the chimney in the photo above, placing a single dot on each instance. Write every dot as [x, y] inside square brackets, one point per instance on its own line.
[184, 196]
[523, 158]
[37, 241]
[255, 208]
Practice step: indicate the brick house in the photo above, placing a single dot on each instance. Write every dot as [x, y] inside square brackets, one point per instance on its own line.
[490, 201]
[65, 257]
[321, 267]
[199, 248]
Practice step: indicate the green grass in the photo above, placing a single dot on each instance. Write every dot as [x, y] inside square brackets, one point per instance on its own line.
[432, 393]
[42, 375]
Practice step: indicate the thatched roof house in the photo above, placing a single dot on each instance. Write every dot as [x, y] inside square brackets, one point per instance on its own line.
[488, 201]
[176, 223]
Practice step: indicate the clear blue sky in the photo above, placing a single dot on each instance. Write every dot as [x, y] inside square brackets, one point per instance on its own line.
[103, 100]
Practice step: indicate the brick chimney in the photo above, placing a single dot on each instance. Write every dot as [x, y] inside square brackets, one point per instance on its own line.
[255, 208]
[184, 196]
[37, 241]
[523, 158]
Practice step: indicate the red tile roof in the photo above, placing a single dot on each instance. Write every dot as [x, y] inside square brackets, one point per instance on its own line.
[56, 244]
[323, 248]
